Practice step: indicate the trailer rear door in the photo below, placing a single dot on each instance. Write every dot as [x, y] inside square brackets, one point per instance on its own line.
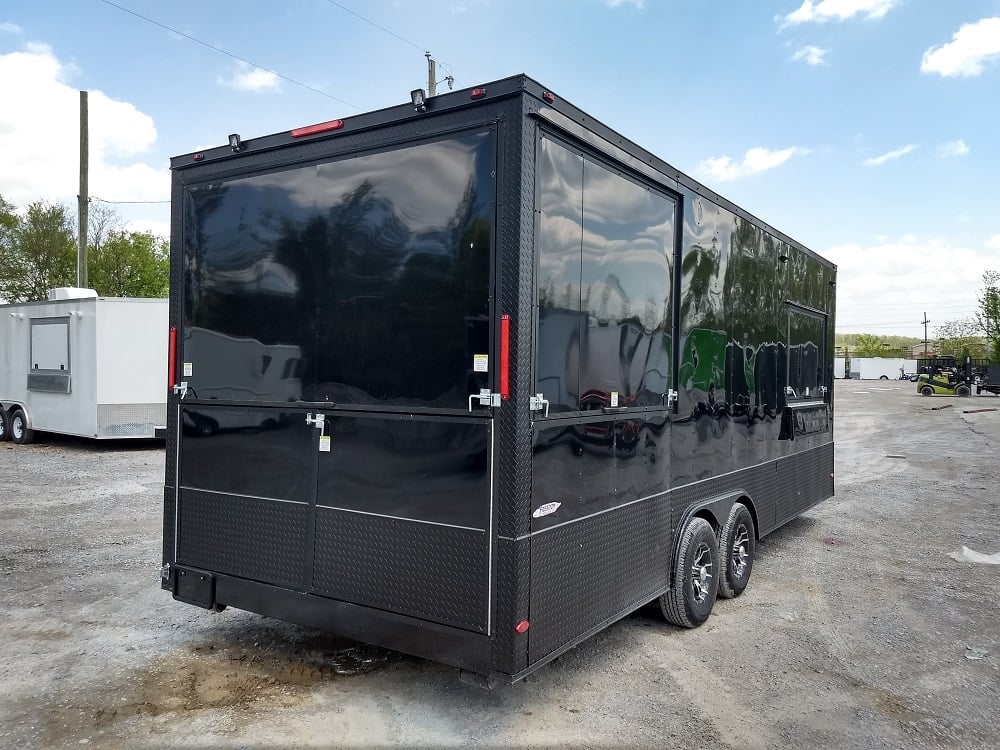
[337, 319]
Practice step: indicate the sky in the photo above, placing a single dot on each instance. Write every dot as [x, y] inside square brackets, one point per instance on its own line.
[868, 130]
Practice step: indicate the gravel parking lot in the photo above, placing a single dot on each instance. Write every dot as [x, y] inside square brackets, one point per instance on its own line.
[859, 628]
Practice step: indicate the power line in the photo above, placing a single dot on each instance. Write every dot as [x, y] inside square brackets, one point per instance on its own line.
[383, 28]
[230, 54]
[403, 39]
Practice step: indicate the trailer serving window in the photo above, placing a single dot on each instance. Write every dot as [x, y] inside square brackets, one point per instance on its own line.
[372, 270]
[49, 355]
[605, 246]
[806, 353]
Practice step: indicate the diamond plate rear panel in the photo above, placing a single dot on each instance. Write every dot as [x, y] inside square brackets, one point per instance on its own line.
[587, 572]
[243, 536]
[434, 572]
[130, 420]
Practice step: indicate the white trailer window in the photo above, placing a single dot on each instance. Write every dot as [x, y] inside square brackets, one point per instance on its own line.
[48, 367]
[50, 344]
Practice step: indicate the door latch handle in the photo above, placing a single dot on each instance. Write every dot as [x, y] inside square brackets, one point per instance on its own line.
[181, 389]
[317, 421]
[538, 402]
[485, 397]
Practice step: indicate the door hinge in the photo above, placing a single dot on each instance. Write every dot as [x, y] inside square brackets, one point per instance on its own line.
[671, 397]
[318, 421]
[485, 397]
[165, 572]
[538, 402]
[181, 389]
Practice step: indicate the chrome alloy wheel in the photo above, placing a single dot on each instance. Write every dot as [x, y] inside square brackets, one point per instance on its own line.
[701, 573]
[739, 556]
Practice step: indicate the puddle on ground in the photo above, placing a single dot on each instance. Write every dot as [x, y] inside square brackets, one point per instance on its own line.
[207, 677]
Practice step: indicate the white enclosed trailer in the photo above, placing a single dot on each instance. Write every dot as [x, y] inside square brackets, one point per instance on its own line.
[881, 368]
[79, 364]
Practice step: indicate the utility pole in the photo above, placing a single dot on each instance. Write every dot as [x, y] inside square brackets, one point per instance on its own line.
[925, 333]
[431, 75]
[83, 199]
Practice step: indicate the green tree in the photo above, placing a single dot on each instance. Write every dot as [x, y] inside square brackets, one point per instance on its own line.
[868, 345]
[988, 315]
[960, 338]
[37, 251]
[129, 264]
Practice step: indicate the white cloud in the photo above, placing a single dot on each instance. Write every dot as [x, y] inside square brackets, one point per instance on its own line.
[39, 139]
[993, 243]
[970, 48]
[724, 169]
[953, 148]
[876, 161]
[837, 10]
[248, 78]
[158, 228]
[885, 288]
[811, 55]
[10, 28]
[640, 4]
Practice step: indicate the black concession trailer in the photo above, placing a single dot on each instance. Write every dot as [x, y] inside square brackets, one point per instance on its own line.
[474, 377]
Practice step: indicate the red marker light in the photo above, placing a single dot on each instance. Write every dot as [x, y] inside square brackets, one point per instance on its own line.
[549, 97]
[172, 359]
[321, 127]
[476, 93]
[504, 356]
[199, 157]
[521, 627]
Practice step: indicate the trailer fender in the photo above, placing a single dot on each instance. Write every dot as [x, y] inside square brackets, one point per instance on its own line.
[715, 510]
[9, 407]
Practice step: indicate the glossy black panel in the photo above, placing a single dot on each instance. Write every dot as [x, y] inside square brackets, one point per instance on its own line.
[403, 288]
[430, 470]
[605, 249]
[367, 279]
[628, 240]
[559, 242]
[806, 354]
[592, 465]
[259, 452]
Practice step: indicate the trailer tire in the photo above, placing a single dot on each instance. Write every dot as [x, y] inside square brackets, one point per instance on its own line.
[20, 433]
[689, 601]
[926, 391]
[737, 548]
[963, 390]
[4, 427]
